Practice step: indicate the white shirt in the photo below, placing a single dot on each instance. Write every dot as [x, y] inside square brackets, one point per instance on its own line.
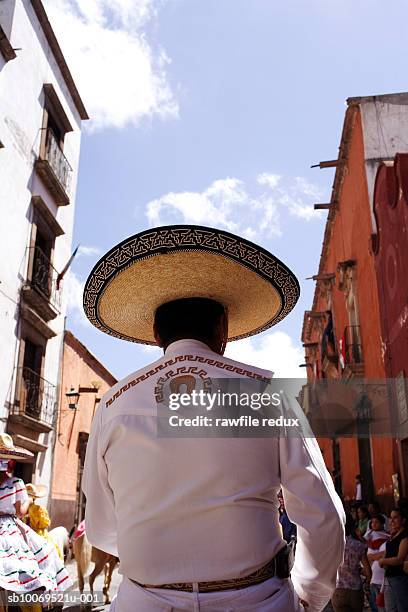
[377, 571]
[12, 490]
[203, 509]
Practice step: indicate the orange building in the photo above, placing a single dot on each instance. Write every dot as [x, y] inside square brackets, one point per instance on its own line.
[342, 332]
[85, 380]
[390, 247]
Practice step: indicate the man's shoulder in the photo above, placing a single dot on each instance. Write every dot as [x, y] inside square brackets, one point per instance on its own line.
[132, 380]
[180, 363]
[242, 369]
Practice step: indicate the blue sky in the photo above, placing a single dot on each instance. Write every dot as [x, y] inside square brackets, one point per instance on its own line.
[213, 112]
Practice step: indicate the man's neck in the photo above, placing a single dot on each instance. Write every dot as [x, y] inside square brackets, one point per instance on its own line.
[190, 341]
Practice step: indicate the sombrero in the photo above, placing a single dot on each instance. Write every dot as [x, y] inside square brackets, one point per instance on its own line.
[9, 451]
[159, 265]
[36, 491]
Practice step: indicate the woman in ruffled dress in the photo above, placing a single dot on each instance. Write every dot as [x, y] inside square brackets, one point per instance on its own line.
[28, 562]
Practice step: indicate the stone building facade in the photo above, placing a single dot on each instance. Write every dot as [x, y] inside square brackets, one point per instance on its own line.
[342, 332]
[41, 114]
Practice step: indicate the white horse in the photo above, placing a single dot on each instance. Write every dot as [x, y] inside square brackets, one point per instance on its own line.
[60, 537]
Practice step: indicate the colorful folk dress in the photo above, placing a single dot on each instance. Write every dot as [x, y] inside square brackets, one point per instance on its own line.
[27, 560]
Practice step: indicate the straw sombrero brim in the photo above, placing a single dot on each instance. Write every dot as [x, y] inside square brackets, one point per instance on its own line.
[40, 490]
[159, 265]
[17, 452]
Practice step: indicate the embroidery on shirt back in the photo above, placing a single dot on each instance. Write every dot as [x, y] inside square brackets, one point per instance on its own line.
[173, 361]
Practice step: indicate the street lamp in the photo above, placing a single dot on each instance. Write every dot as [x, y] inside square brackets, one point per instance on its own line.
[73, 398]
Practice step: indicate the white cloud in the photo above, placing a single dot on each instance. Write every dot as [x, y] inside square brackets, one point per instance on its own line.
[271, 180]
[309, 189]
[120, 76]
[89, 251]
[293, 196]
[227, 203]
[274, 350]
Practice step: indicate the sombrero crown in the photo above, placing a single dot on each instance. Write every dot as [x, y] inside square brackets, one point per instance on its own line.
[163, 264]
[36, 491]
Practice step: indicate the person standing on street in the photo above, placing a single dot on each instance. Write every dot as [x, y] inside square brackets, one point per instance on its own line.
[349, 593]
[376, 539]
[358, 494]
[363, 520]
[396, 552]
[194, 520]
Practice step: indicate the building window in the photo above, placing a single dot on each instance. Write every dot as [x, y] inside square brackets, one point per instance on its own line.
[35, 397]
[30, 368]
[350, 342]
[352, 333]
[328, 347]
[31, 365]
[41, 290]
[54, 117]
[52, 165]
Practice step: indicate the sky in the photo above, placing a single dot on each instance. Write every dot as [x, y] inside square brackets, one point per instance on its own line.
[212, 112]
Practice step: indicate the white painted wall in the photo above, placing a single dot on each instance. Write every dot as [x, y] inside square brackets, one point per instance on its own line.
[21, 112]
[385, 133]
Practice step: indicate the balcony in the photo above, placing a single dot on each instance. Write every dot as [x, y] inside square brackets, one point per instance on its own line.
[34, 405]
[353, 354]
[41, 291]
[54, 169]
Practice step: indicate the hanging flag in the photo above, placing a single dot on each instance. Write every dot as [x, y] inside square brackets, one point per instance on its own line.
[65, 269]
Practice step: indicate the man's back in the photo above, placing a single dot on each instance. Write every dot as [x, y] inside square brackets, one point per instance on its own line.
[202, 509]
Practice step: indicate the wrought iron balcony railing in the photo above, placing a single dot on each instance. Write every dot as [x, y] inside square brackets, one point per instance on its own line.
[36, 397]
[44, 278]
[352, 345]
[57, 160]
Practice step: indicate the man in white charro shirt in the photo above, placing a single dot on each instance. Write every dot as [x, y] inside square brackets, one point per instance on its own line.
[194, 521]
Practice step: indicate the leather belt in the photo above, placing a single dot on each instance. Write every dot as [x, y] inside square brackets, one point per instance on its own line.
[260, 575]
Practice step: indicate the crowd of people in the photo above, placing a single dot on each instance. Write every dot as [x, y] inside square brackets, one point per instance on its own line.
[375, 566]
[29, 558]
[374, 573]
